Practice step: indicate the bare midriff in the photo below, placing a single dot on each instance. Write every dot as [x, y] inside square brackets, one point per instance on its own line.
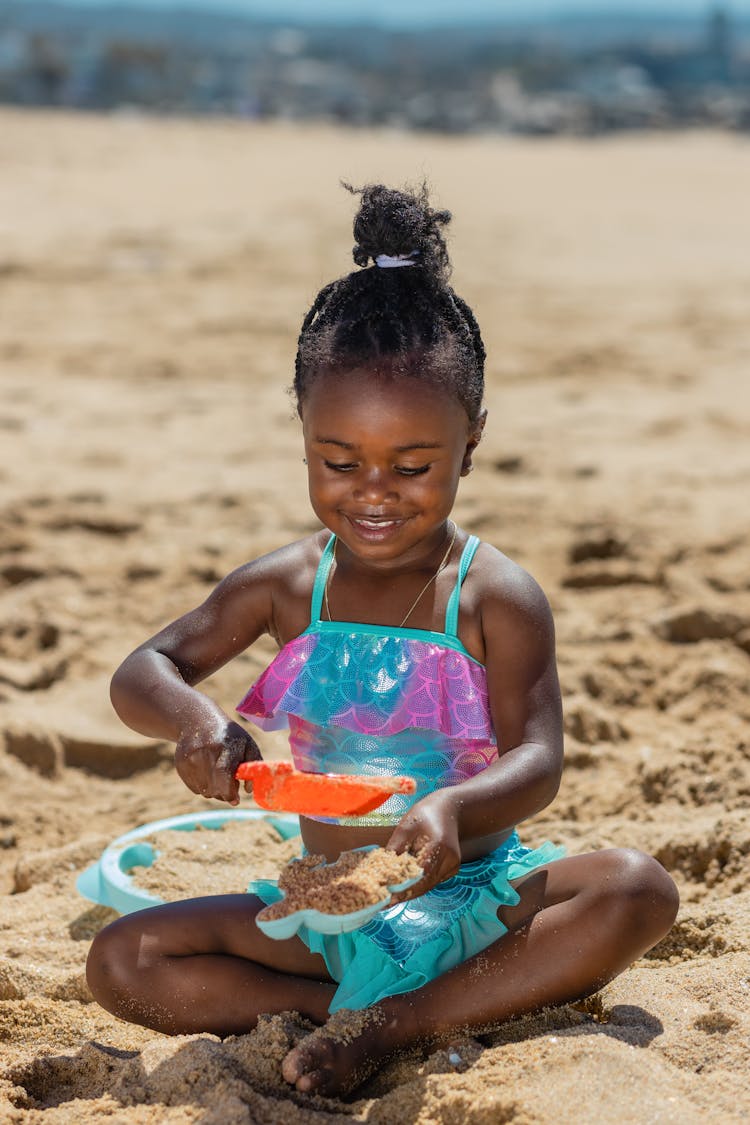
[332, 839]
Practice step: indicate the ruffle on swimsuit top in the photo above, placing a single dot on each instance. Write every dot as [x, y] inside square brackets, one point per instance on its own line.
[375, 683]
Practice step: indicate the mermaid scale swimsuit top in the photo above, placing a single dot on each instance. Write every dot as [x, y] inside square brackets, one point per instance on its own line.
[379, 701]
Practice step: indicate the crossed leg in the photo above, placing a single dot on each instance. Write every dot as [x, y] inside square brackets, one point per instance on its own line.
[203, 965]
[579, 923]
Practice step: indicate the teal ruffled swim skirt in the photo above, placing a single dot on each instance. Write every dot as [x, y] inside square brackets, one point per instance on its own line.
[409, 944]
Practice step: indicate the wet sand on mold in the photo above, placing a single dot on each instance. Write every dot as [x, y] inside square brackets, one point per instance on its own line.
[152, 280]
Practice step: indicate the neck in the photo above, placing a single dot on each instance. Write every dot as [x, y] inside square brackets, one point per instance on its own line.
[434, 571]
[424, 556]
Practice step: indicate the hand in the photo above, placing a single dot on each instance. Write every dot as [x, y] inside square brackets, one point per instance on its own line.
[429, 832]
[208, 755]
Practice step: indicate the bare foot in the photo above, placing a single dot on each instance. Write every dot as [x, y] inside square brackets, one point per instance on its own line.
[339, 1056]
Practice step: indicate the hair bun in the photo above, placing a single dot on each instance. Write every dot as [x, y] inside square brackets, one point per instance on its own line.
[396, 222]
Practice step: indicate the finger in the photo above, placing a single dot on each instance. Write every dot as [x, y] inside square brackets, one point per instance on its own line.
[450, 867]
[227, 789]
[415, 891]
[196, 771]
[226, 785]
[432, 876]
[424, 884]
[426, 852]
[197, 786]
[401, 839]
[188, 774]
[445, 866]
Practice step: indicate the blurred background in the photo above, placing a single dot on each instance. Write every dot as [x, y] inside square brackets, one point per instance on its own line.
[539, 67]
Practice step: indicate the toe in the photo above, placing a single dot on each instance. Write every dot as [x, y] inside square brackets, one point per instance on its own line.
[292, 1067]
[314, 1081]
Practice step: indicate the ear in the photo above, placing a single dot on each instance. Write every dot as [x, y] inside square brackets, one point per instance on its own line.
[474, 439]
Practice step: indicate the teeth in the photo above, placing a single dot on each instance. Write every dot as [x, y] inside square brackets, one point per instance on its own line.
[374, 524]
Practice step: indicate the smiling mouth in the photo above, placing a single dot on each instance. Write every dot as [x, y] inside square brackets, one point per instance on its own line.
[375, 523]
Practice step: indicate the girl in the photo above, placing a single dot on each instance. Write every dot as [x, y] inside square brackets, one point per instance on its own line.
[405, 647]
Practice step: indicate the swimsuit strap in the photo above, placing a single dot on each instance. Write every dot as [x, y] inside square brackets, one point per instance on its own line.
[321, 577]
[451, 612]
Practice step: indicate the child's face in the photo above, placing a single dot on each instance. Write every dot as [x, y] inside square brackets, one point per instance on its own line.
[384, 460]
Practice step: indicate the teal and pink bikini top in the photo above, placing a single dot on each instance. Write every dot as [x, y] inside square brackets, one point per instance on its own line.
[379, 701]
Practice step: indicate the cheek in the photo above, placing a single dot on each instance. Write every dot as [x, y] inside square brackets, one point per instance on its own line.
[438, 495]
[325, 486]
[446, 478]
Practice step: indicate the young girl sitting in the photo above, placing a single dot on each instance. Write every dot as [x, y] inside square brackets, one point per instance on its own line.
[406, 647]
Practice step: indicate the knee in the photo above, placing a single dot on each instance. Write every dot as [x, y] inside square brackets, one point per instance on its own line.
[112, 964]
[645, 893]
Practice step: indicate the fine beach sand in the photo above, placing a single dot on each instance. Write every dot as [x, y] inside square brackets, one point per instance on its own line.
[153, 275]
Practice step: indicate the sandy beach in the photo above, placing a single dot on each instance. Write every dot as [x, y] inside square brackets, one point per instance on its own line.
[153, 276]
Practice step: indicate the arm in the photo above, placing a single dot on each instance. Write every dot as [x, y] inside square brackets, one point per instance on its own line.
[153, 689]
[527, 714]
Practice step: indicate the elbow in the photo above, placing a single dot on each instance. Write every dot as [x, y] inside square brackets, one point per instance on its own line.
[552, 788]
[554, 779]
[119, 693]
[130, 685]
[548, 781]
[546, 791]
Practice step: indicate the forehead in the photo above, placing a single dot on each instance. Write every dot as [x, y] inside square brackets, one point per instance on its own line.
[358, 406]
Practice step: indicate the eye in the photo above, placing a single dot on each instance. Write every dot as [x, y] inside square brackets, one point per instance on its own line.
[343, 467]
[407, 471]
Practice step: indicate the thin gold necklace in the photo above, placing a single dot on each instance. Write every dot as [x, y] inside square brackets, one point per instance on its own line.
[428, 583]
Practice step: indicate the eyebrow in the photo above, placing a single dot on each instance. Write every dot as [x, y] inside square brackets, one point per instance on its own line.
[398, 448]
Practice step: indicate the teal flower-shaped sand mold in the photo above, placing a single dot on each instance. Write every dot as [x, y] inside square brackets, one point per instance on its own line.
[282, 928]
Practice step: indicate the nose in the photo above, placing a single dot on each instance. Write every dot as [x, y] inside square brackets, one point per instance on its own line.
[374, 486]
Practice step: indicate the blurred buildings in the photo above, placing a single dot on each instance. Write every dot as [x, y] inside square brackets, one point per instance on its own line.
[570, 75]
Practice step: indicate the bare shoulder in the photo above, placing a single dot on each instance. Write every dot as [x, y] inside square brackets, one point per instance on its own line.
[507, 604]
[277, 585]
[283, 568]
[505, 587]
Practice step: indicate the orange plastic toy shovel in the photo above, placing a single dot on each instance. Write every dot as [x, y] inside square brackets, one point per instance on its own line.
[282, 788]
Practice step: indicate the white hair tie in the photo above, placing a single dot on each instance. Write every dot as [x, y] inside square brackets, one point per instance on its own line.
[388, 262]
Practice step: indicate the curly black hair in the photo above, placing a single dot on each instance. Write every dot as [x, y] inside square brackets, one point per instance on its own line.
[403, 321]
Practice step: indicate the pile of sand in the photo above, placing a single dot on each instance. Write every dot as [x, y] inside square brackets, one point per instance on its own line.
[152, 279]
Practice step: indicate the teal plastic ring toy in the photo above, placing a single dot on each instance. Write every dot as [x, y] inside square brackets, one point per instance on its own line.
[108, 881]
